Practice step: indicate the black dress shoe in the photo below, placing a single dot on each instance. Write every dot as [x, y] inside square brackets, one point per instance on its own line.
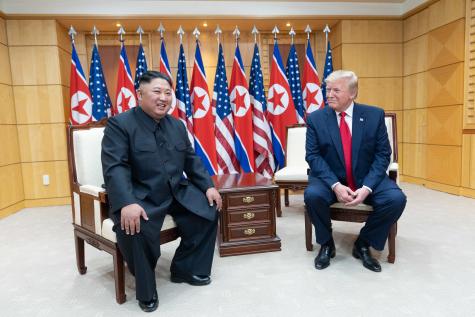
[326, 252]
[362, 252]
[151, 305]
[196, 280]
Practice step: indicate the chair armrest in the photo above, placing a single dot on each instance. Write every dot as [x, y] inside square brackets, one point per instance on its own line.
[91, 190]
[393, 172]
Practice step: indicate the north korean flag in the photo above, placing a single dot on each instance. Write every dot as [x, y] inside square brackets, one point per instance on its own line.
[280, 106]
[165, 69]
[311, 91]
[125, 93]
[81, 101]
[241, 105]
[203, 121]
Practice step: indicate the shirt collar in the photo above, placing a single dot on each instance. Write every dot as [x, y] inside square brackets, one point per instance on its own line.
[148, 121]
[349, 111]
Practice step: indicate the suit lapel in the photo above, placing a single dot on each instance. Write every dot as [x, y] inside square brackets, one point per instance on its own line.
[332, 125]
[358, 125]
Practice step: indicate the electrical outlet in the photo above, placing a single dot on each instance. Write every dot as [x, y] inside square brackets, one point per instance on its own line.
[46, 179]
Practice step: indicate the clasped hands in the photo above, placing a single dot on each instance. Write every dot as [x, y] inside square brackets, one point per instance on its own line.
[350, 198]
[130, 214]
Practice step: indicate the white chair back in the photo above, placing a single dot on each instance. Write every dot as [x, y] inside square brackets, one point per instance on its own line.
[87, 156]
[389, 127]
[296, 137]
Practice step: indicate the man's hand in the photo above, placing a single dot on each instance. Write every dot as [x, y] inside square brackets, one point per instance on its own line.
[343, 193]
[130, 218]
[213, 196]
[360, 196]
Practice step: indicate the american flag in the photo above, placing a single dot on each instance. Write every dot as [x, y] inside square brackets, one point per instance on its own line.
[327, 71]
[182, 93]
[141, 66]
[263, 153]
[311, 92]
[165, 69]
[280, 106]
[102, 104]
[203, 121]
[81, 101]
[293, 75]
[241, 105]
[227, 161]
[125, 93]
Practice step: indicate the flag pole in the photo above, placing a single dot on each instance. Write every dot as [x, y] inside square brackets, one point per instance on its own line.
[95, 32]
[292, 34]
[308, 30]
[161, 30]
[236, 34]
[218, 32]
[275, 31]
[121, 33]
[72, 33]
[196, 33]
[180, 33]
[140, 32]
[326, 30]
[255, 31]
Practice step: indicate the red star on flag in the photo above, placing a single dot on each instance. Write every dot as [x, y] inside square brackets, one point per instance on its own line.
[310, 98]
[198, 102]
[239, 101]
[80, 107]
[277, 99]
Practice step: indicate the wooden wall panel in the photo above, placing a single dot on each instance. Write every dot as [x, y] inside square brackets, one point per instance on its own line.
[62, 38]
[371, 31]
[415, 126]
[444, 164]
[59, 179]
[446, 44]
[40, 104]
[65, 67]
[445, 11]
[3, 32]
[336, 36]
[11, 185]
[444, 125]
[7, 107]
[31, 32]
[445, 85]
[415, 55]
[5, 73]
[42, 142]
[35, 65]
[467, 160]
[383, 92]
[336, 58]
[373, 60]
[415, 91]
[9, 153]
[415, 160]
[416, 25]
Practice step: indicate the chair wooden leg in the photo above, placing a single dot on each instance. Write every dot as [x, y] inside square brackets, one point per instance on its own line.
[308, 232]
[286, 197]
[80, 262]
[119, 277]
[278, 206]
[392, 243]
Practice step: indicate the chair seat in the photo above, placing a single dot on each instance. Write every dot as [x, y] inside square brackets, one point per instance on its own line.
[292, 173]
[362, 207]
[109, 234]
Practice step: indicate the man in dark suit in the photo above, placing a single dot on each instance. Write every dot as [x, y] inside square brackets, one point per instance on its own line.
[348, 151]
[145, 153]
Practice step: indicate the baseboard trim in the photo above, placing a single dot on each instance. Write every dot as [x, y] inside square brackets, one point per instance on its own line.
[44, 202]
[10, 210]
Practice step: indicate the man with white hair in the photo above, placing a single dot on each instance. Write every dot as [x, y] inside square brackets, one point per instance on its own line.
[348, 152]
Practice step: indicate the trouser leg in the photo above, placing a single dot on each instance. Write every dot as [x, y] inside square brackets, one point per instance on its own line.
[194, 255]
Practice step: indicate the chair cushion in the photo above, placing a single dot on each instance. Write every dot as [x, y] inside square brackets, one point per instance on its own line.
[107, 225]
[292, 173]
[358, 207]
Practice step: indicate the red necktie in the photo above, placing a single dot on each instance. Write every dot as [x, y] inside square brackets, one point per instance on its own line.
[346, 142]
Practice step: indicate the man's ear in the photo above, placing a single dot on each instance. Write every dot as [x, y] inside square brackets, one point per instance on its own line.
[138, 92]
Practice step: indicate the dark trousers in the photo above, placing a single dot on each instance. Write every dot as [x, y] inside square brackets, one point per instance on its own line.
[193, 256]
[388, 204]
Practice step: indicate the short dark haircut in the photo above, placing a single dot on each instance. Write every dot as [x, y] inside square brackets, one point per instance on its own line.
[150, 75]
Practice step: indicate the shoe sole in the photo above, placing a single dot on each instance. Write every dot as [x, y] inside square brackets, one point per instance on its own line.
[177, 279]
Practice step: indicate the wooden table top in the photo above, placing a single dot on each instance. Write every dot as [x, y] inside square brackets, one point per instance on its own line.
[231, 182]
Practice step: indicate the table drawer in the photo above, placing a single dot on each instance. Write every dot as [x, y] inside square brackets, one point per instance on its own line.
[251, 198]
[248, 215]
[250, 232]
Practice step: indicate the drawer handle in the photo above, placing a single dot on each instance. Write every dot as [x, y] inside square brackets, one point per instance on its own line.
[249, 215]
[248, 199]
[249, 232]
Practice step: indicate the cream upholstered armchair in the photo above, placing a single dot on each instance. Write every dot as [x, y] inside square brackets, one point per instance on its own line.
[90, 205]
[294, 175]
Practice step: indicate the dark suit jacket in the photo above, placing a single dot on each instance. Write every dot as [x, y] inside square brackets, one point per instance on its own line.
[143, 162]
[371, 150]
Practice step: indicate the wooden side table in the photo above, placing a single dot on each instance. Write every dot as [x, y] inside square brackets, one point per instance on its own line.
[247, 219]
